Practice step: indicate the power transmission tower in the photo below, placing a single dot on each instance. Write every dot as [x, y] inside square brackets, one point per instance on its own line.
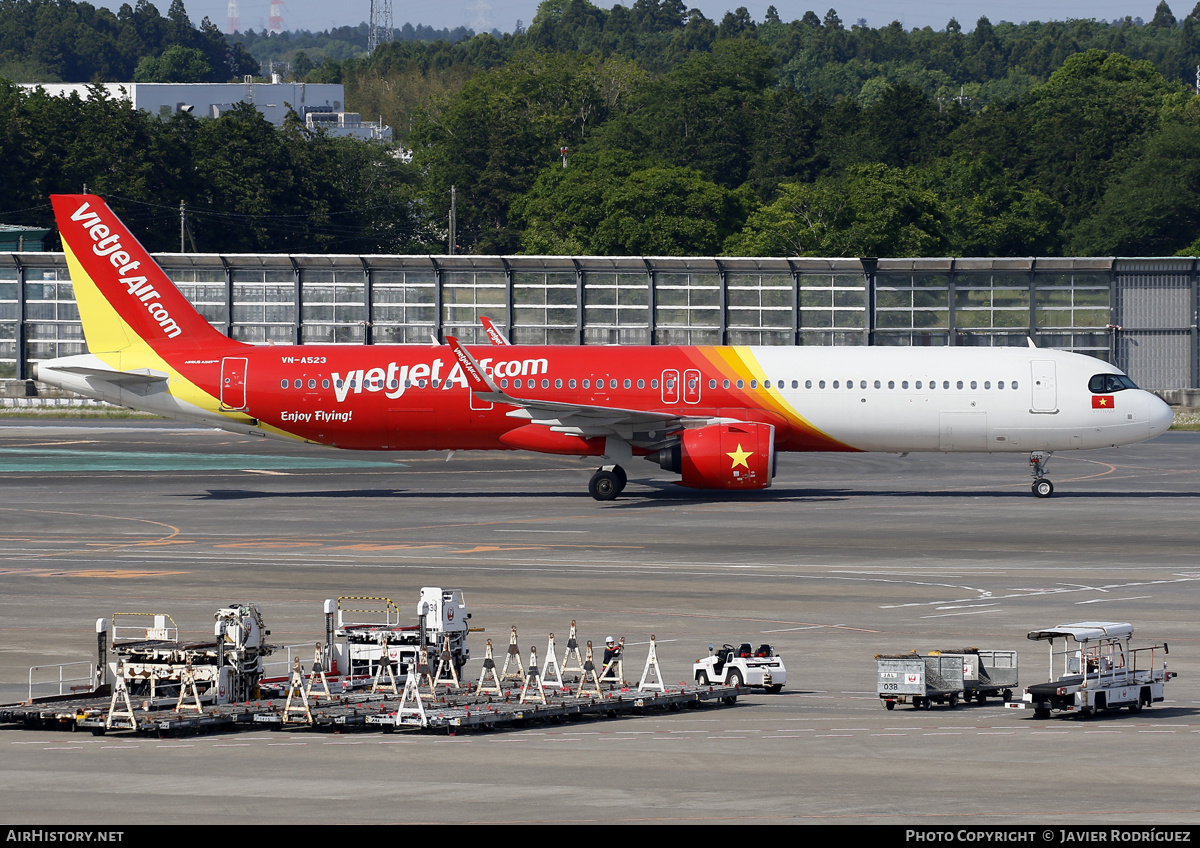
[381, 31]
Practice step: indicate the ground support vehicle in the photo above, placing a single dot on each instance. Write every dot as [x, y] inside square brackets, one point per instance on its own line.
[986, 673]
[147, 659]
[361, 631]
[742, 666]
[1099, 671]
[920, 680]
[143, 665]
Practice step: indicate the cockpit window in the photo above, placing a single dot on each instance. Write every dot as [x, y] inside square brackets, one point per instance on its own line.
[1105, 384]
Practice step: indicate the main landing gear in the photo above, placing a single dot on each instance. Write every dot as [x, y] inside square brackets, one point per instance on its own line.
[608, 482]
[1038, 460]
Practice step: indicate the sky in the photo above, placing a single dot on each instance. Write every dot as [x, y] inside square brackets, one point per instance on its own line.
[503, 14]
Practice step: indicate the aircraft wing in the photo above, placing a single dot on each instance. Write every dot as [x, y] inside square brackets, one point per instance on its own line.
[640, 427]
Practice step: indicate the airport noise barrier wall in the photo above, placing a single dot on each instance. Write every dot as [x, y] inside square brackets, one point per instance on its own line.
[1140, 314]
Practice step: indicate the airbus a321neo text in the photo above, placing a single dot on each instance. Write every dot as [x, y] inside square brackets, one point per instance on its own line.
[717, 416]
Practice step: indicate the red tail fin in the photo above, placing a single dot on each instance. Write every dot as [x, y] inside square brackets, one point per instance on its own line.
[113, 273]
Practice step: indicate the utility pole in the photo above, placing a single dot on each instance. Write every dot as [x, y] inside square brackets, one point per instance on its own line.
[453, 218]
[182, 224]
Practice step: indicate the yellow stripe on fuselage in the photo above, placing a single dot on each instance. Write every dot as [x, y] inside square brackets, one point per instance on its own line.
[111, 340]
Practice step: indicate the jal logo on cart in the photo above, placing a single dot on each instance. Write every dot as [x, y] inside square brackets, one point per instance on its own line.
[912, 678]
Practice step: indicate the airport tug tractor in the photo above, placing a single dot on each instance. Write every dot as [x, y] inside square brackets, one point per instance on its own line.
[741, 666]
[1099, 671]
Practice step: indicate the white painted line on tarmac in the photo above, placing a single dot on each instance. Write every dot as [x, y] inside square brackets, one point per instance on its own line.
[1110, 600]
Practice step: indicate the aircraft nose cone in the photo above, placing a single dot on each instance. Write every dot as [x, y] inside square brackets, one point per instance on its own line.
[1161, 417]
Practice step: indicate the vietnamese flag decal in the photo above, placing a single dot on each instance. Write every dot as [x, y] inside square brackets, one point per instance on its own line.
[1102, 402]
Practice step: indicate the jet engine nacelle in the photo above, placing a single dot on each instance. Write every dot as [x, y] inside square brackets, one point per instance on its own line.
[722, 456]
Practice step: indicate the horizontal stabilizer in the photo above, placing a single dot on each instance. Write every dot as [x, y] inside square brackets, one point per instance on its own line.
[135, 375]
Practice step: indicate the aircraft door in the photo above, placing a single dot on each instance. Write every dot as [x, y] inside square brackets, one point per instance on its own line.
[963, 431]
[233, 382]
[1044, 385]
[691, 386]
[670, 386]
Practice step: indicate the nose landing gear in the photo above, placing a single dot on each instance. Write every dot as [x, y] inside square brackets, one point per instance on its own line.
[1038, 460]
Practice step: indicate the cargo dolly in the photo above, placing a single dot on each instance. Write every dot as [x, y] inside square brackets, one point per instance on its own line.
[373, 673]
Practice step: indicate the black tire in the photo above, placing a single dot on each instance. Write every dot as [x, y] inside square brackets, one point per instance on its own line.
[604, 486]
[1043, 488]
[702, 678]
[776, 689]
[891, 705]
[1040, 713]
[735, 679]
[622, 478]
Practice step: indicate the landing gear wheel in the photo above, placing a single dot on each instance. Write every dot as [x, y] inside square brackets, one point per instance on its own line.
[622, 478]
[604, 486]
[1043, 488]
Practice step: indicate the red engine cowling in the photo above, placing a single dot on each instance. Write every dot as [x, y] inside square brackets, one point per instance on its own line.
[723, 456]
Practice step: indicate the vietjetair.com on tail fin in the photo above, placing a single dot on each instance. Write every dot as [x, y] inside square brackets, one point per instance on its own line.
[125, 299]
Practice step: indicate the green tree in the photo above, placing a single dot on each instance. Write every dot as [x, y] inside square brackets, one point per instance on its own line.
[1080, 129]
[1153, 208]
[987, 214]
[612, 204]
[703, 114]
[873, 210]
[493, 138]
[668, 211]
[1163, 17]
[176, 64]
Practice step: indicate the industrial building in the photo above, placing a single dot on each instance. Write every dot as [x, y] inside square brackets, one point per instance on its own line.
[318, 104]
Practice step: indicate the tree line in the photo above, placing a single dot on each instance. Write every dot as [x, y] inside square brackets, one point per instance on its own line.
[651, 129]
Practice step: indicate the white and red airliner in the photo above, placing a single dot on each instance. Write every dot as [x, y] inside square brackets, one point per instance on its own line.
[717, 416]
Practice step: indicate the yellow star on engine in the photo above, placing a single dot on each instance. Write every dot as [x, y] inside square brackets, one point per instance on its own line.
[739, 457]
